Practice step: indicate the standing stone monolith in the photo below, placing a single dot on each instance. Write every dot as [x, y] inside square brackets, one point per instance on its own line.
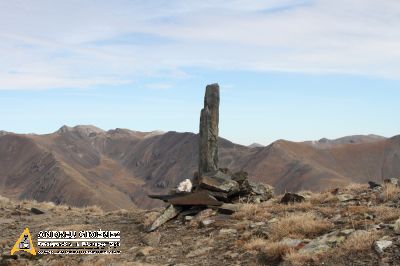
[209, 119]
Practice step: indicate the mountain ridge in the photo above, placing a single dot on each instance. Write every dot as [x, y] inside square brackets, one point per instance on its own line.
[85, 165]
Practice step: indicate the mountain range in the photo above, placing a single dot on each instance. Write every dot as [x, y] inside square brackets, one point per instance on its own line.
[85, 165]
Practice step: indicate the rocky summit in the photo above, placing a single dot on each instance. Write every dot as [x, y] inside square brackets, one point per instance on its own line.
[355, 226]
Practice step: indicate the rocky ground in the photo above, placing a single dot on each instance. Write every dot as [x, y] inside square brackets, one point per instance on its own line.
[355, 225]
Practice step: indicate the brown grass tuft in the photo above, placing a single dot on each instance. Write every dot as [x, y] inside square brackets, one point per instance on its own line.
[254, 212]
[93, 209]
[391, 192]
[299, 259]
[256, 244]
[299, 225]
[327, 210]
[384, 213]
[274, 252]
[150, 217]
[359, 241]
[356, 187]
[323, 198]
[283, 208]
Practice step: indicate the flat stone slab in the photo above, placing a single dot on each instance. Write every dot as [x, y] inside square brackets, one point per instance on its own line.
[219, 182]
[201, 197]
[221, 196]
[167, 197]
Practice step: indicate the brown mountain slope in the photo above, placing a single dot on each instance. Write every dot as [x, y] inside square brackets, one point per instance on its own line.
[356, 139]
[296, 166]
[85, 165]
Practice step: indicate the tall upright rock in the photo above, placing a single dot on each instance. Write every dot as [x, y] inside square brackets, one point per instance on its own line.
[209, 119]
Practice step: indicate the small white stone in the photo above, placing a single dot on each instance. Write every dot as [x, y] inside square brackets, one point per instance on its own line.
[207, 222]
[184, 186]
[188, 218]
[381, 245]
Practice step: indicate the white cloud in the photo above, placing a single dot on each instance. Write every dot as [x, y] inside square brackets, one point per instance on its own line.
[49, 44]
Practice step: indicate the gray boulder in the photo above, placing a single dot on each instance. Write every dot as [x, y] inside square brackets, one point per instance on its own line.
[218, 181]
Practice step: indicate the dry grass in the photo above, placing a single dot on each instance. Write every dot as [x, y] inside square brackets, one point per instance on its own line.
[359, 241]
[384, 213]
[149, 218]
[254, 212]
[48, 204]
[298, 259]
[356, 187]
[354, 210]
[269, 251]
[323, 198]
[274, 252]
[299, 225]
[265, 211]
[94, 209]
[327, 210]
[256, 244]
[391, 192]
[283, 208]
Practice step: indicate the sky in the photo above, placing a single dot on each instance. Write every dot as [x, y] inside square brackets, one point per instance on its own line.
[288, 69]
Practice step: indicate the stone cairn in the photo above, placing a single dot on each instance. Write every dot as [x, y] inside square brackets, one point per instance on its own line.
[212, 187]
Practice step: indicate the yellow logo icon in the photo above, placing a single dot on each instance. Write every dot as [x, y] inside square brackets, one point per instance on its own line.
[24, 243]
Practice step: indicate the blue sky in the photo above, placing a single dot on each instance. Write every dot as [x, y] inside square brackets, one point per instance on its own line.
[296, 70]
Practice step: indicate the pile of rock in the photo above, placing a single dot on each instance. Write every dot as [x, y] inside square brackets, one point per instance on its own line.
[216, 190]
[212, 187]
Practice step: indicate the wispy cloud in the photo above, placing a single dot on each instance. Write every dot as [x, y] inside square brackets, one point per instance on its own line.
[49, 44]
[158, 86]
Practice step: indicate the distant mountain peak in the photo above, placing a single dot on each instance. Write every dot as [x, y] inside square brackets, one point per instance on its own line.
[353, 139]
[81, 129]
[139, 134]
[2, 132]
[255, 145]
[154, 133]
